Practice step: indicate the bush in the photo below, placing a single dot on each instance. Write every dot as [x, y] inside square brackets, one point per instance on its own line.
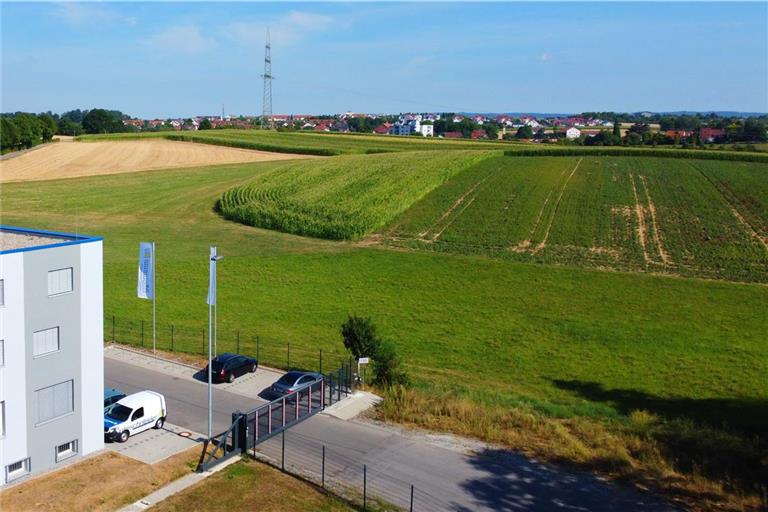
[361, 340]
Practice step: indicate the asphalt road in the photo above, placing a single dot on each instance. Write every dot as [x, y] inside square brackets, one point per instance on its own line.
[443, 479]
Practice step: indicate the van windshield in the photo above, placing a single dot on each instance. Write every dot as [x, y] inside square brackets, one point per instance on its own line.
[120, 413]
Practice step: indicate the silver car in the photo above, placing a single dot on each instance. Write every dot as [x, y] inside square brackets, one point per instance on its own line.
[292, 381]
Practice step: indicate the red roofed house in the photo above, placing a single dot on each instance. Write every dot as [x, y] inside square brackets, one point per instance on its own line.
[382, 129]
[710, 134]
[322, 127]
[682, 134]
[478, 134]
[453, 135]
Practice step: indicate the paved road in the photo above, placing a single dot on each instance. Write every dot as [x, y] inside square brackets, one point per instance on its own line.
[444, 479]
[187, 400]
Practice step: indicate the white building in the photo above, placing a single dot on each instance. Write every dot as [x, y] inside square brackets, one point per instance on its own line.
[51, 350]
[409, 126]
[572, 133]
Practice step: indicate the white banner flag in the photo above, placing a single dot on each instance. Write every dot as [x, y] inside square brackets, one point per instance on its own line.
[211, 300]
[145, 288]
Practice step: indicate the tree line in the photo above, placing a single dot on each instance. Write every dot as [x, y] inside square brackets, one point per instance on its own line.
[22, 130]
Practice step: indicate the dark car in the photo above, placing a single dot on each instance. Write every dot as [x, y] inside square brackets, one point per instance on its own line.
[226, 367]
[291, 381]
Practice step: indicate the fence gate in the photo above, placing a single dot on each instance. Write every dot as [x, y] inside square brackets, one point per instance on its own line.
[248, 429]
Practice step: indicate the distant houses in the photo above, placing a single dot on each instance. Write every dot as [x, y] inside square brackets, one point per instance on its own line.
[572, 133]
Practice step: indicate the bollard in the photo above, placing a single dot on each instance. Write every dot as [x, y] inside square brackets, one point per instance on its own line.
[411, 508]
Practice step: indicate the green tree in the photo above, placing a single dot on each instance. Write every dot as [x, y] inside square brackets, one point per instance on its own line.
[99, 120]
[205, 124]
[492, 130]
[9, 134]
[387, 368]
[617, 130]
[359, 335]
[29, 129]
[48, 127]
[524, 132]
[68, 127]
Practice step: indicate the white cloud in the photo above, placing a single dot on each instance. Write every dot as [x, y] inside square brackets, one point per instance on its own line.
[81, 13]
[544, 57]
[284, 31]
[181, 39]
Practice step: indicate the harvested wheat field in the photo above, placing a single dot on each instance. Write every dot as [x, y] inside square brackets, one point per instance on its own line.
[68, 159]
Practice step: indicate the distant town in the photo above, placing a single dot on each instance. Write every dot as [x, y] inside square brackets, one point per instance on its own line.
[22, 130]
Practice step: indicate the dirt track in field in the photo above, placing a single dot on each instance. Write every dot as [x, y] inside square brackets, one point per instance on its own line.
[68, 159]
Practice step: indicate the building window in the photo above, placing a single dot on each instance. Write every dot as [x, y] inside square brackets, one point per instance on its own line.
[45, 341]
[54, 401]
[2, 418]
[59, 281]
[66, 450]
[17, 470]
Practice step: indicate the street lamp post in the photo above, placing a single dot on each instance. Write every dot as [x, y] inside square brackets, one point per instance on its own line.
[214, 257]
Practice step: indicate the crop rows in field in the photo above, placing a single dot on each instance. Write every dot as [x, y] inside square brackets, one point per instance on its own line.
[688, 217]
[341, 198]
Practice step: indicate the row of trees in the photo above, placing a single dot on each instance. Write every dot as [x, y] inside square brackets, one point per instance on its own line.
[23, 130]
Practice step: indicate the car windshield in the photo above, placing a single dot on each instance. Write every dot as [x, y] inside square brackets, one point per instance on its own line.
[289, 379]
[119, 412]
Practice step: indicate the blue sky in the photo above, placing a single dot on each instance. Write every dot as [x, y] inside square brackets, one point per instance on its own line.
[181, 59]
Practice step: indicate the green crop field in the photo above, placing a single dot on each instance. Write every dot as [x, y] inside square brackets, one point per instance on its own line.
[327, 144]
[344, 197]
[571, 345]
[687, 217]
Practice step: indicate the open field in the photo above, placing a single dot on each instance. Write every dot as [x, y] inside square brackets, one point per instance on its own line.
[104, 482]
[324, 144]
[68, 159]
[686, 217]
[559, 346]
[247, 485]
[342, 198]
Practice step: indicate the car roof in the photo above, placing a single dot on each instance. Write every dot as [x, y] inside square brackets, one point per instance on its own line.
[297, 374]
[222, 358]
[108, 393]
[139, 399]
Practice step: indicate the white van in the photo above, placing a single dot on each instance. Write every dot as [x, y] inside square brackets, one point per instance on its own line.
[133, 414]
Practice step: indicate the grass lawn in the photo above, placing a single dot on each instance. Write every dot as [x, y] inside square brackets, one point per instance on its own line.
[104, 482]
[557, 345]
[249, 485]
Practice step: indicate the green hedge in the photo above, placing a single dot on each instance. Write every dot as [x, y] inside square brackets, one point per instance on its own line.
[217, 141]
[662, 153]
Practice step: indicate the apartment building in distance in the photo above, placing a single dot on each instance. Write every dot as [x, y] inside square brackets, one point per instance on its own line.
[51, 350]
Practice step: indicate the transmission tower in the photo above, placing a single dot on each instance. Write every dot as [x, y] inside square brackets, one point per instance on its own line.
[266, 110]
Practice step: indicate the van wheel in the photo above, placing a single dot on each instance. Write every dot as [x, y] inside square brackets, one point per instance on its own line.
[159, 423]
[231, 378]
[253, 368]
[123, 436]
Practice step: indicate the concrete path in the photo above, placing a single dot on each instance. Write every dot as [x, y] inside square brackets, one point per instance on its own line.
[447, 473]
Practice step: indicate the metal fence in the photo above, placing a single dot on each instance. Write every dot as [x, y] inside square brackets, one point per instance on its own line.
[174, 337]
[366, 484]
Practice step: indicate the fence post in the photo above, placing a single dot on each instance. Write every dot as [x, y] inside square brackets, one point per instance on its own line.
[238, 341]
[113, 329]
[411, 508]
[282, 460]
[142, 333]
[172, 337]
[289, 355]
[322, 481]
[321, 361]
[365, 487]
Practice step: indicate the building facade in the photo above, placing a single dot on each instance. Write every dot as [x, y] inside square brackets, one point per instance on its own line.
[51, 350]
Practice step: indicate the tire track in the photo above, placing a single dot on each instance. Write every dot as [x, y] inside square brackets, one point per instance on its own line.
[449, 211]
[543, 243]
[640, 213]
[656, 233]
